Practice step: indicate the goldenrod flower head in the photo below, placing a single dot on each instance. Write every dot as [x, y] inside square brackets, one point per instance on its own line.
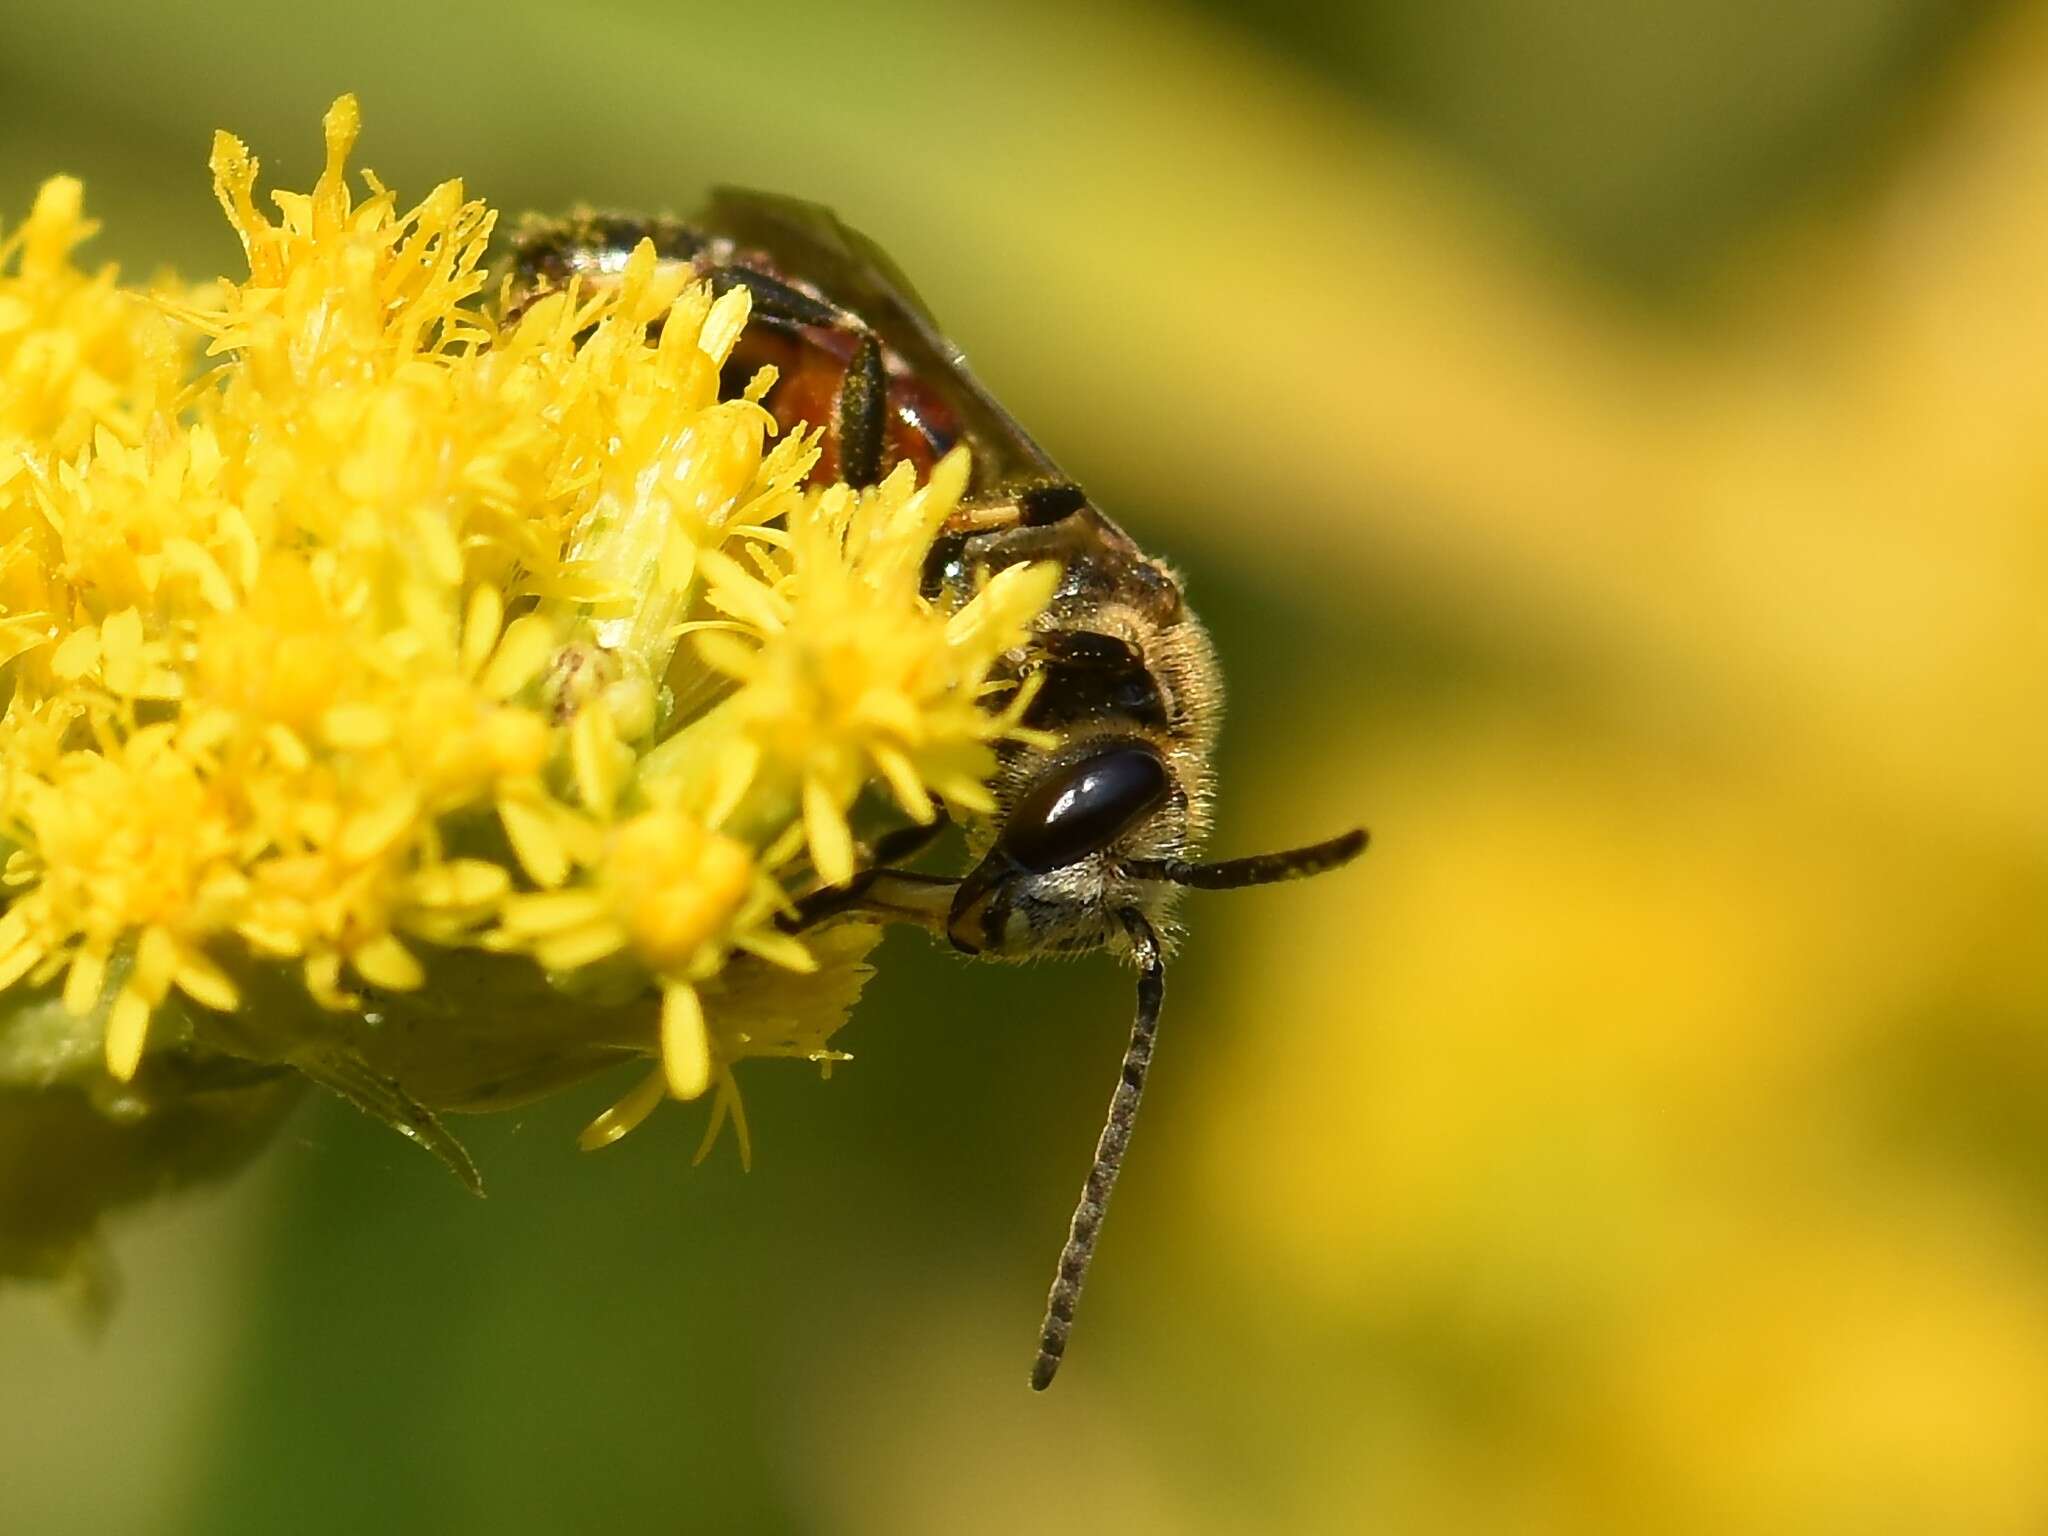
[77, 350]
[354, 640]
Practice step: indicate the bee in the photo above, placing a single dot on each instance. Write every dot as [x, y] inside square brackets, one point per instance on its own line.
[1094, 838]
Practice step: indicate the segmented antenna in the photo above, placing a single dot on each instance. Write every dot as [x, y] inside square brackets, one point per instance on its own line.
[1259, 869]
[1109, 1155]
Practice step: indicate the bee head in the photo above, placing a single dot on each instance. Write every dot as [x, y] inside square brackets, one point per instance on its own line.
[1090, 855]
[1047, 882]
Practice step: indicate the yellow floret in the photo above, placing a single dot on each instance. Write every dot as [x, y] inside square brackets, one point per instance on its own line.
[440, 708]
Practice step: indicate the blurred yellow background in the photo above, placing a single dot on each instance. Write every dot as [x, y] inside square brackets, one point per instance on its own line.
[1610, 446]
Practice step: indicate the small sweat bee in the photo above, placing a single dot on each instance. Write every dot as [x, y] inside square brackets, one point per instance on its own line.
[1094, 838]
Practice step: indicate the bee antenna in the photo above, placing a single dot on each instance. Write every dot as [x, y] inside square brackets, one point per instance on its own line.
[1259, 869]
[1109, 1154]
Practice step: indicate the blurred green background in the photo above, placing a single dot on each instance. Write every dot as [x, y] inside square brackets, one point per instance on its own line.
[1608, 444]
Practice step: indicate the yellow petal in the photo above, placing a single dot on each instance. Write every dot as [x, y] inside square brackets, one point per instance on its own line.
[370, 832]
[83, 981]
[573, 948]
[206, 984]
[461, 883]
[76, 655]
[121, 639]
[969, 794]
[685, 1047]
[678, 559]
[623, 1116]
[904, 783]
[732, 774]
[723, 325]
[127, 1029]
[535, 840]
[384, 962]
[356, 727]
[727, 1102]
[597, 758]
[528, 644]
[739, 592]
[777, 949]
[286, 746]
[552, 911]
[891, 709]
[918, 519]
[830, 838]
[722, 652]
[189, 559]
[156, 962]
[17, 963]
[323, 979]
[480, 627]
[998, 613]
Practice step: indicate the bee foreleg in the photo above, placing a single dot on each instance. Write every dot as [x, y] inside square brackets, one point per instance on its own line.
[880, 896]
[881, 892]
[893, 847]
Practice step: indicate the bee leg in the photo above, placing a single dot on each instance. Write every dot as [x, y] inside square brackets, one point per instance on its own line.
[774, 299]
[879, 896]
[1054, 501]
[890, 895]
[860, 413]
[908, 842]
[1032, 506]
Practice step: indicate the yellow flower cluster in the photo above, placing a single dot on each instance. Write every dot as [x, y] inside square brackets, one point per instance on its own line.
[440, 707]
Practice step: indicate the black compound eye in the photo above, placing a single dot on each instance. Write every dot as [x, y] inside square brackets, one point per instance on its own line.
[1084, 807]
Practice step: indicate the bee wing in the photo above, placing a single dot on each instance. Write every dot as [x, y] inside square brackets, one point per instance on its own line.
[808, 241]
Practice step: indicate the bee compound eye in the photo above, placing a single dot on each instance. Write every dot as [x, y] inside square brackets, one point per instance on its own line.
[1081, 808]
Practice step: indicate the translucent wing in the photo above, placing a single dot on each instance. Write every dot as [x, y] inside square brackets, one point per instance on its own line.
[808, 242]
